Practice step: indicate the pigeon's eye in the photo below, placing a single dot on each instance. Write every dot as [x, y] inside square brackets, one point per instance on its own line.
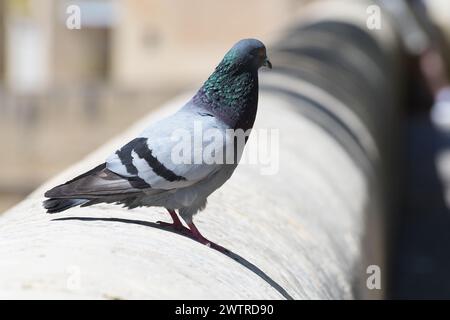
[261, 53]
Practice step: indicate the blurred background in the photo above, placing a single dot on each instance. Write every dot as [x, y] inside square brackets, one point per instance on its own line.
[65, 92]
[58, 84]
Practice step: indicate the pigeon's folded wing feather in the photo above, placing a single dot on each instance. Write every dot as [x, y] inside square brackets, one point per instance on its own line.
[158, 156]
[95, 183]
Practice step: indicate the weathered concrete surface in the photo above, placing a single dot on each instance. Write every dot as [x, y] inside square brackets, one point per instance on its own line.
[300, 227]
[309, 231]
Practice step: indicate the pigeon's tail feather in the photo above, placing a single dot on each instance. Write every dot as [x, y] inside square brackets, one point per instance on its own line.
[55, 205]
[97, 183]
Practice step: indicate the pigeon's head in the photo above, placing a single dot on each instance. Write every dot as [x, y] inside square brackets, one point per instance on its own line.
[231, 91]
[248, 53]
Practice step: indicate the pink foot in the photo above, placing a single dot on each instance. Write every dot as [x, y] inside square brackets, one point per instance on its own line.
[196, 235]
[176, 224]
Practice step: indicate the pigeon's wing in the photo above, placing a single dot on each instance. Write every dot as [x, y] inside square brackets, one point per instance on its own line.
[149, 163]
[98, 182]
[172, 153]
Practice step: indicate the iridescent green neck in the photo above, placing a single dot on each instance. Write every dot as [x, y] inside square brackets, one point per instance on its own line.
[228, 82]
[231, 91]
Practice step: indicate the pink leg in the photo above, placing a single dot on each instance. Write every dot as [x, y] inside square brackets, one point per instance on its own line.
[200, 238]
[176, 224]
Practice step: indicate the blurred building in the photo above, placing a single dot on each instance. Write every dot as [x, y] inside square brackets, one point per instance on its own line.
[131, 43]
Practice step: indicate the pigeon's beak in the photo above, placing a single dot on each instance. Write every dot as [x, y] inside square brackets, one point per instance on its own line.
[267, 63]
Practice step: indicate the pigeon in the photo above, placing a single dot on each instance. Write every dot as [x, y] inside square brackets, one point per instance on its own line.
[143, 173]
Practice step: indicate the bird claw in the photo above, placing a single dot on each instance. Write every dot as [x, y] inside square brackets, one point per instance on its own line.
[211, 244]
[175, 226]
[164, 224]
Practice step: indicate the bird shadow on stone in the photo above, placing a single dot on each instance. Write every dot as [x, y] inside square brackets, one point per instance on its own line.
[242, 261]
